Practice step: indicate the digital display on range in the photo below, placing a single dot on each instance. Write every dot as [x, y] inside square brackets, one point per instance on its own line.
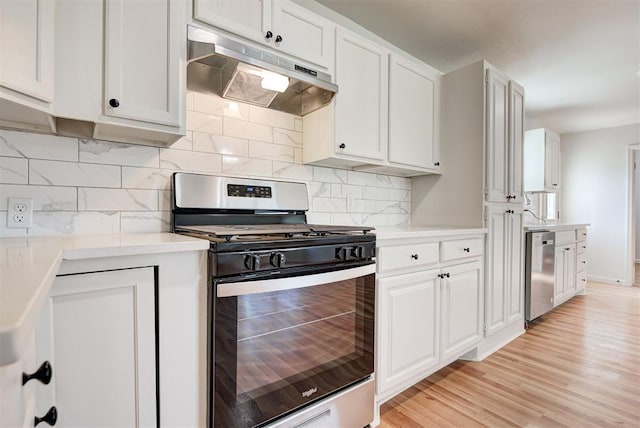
[242, 191]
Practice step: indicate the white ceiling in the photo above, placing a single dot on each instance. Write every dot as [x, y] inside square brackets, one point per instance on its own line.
[579, 60]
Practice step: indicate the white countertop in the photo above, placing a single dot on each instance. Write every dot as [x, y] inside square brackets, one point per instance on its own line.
[29, 265]
[556, 227]
[399, 232]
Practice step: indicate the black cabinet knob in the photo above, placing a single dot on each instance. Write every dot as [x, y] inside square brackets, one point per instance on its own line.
[567, 249]
[342, 146]
[114, 103]
[43, 374]
[448, 275]
[414, 256]
[268, 35]
[466, 250]
[278, 38]
[584, 262]
[50, 418]
[436, 163]
[554, 184]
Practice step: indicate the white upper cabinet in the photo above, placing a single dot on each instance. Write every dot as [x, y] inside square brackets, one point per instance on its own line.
[302, 33]
[130, 80]
[143, 70]
[279, 24]
[551, 161]
[516, 137]
[505, 124]
[246, 18]
[361, 103]
[541, 161]
[26, 47]
[352, 130]
[413, 137]
[27, 64]
[497, 136]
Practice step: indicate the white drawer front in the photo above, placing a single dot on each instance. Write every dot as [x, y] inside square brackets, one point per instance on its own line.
[582, 247]
[565, 237]
[461, 248]
[581, 234]
[406, 256]
[581, 261]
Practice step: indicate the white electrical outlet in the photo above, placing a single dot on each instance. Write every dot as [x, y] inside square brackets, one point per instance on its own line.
[19, 212]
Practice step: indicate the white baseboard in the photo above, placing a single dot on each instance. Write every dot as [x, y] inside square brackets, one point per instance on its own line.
[607, 280]
[491, 344]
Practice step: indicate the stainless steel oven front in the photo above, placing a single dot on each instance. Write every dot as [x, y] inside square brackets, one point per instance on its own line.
[282, 343]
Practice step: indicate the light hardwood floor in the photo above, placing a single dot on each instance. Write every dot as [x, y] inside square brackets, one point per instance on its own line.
[579, 367]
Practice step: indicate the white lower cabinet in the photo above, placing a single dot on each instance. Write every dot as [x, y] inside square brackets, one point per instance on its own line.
[565, 273]
[427, 316]
[409, 324]
[504, 294]
[98, 330]
[17, 401]
[461, 295]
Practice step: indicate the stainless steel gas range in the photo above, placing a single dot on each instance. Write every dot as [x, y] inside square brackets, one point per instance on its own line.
[291, 305]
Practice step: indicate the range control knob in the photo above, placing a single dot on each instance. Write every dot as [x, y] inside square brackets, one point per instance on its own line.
[277, 260]
[343, 253]
[358, 252]
[252, 261]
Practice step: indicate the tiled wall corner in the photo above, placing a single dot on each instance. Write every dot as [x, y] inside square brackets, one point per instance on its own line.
[87, 186]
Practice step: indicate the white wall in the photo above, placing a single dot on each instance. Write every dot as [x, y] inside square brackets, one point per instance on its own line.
[594, 190]
[637, 197]
[87, 186]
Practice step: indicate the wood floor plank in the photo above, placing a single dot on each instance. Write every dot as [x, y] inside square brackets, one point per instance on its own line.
[579, 367]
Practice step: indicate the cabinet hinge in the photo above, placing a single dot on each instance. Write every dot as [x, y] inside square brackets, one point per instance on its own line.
[484, 328]
[487, 76]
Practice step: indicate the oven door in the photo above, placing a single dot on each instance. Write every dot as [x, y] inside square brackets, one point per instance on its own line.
[283, 343]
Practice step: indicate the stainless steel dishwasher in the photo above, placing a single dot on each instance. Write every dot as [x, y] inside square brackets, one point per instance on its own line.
[539, 273]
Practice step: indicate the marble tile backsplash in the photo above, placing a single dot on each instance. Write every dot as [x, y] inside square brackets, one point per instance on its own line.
[84, 186]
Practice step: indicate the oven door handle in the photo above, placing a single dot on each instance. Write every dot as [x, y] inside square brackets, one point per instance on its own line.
[241, 288]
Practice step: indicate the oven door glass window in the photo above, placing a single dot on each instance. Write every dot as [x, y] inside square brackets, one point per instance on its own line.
[280, 350]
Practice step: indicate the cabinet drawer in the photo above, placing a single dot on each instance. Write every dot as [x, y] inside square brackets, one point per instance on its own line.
[461, 248]
[565, 237]
[581, 234]
[405, 256]
[581, 247]
[581, 261]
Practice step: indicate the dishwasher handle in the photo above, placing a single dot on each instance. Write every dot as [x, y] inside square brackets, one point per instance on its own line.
[547, 242]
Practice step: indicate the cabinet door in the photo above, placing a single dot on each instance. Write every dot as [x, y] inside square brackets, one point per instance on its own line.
[98, 331]
[515, 287]
[551, 162]
[412, 113]
[362, 101]
[496, 270]
[304, 34]
[26, 47]
[408, 327]
[497, 111]
[247, 18]
[145, 53]
[516, 139]
[559, 276]
[461, 314]
[570, 270]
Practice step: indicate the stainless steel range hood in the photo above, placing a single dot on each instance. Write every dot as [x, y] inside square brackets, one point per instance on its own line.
[246, 74]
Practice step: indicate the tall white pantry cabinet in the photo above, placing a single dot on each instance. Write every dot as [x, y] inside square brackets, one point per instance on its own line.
[482, 132]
